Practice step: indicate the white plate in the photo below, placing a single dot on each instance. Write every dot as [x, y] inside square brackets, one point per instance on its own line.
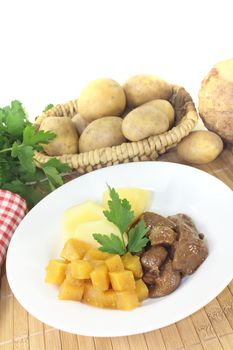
[177, 188]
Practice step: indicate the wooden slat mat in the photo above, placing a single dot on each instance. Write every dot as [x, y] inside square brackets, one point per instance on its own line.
[210, 328]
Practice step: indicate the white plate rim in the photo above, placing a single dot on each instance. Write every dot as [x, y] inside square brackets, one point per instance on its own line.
[173, 318]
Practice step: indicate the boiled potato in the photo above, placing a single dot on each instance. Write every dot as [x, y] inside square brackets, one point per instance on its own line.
[142, 88]
[104, 132]
[83, 212]
[80, 123]
[84, 231]
[101, 98]
[164, 106]
[138, 198]
[66, 140]
[200, 147]
[143, 122]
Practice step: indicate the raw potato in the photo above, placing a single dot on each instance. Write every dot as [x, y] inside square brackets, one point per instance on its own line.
[66, 140]
[80, 123]
[166, 107]
[143, 122]
[101, 98]
[200, 147]
[104, 132]
[142, 88]
[216, 100]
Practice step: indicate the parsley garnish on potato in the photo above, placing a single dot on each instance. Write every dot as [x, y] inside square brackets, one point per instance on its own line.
[19, 141]
[121, 215]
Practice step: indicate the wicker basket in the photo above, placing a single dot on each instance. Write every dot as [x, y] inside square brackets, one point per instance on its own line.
[148, 149]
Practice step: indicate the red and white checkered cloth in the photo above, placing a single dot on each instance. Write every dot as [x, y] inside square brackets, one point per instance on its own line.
[12, 210]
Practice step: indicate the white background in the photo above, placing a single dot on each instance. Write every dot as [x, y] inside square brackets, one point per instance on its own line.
[50, 49]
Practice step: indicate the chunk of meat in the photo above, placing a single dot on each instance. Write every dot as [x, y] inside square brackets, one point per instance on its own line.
[153, 219]
[153, 258]
[189, 255]
[162, 235]
[149, 277]
[184, 226]
[166, 283]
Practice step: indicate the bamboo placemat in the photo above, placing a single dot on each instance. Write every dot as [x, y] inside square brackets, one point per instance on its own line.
[210, 328]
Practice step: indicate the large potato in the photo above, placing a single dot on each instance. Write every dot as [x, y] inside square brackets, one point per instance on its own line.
[142, 88]
[216, 100]
[143, 122]
[80, 123]
[104, 132]
[200, 147]
[66, 140]
[101, 98]
[165, 107]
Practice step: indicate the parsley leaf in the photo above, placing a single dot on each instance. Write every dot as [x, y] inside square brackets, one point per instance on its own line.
[48, 107]
[61, 167]
[110, 244]
[32, 137]
[137, 239]
[122, 216]
[25, 155]
[53, 176]
[19, 141]
[120, 212]
[52, 170]
[15, 118]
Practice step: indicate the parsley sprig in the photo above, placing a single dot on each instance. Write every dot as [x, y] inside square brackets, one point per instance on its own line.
[121, 215]
[19, 141]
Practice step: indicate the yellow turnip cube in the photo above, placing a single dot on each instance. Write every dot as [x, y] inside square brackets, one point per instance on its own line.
[55, 272]
[122, 280]
[81, 269]
[109, 299]
[141, 290]
[132, 263]
[96, 254]
[100, 278]
[114, 263]
[74, 249]
[138, 198]
[83, 212]
[69, 291]
[70, 278]
[126, 300]
[96, 297]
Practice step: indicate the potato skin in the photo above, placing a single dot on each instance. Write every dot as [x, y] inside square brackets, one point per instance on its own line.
[200, 147]
[215, 100]
[166, 107]
[104, 132]
[142, 88]
[101, 98]
[80, 123]
[66, 141]
[143, 122]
